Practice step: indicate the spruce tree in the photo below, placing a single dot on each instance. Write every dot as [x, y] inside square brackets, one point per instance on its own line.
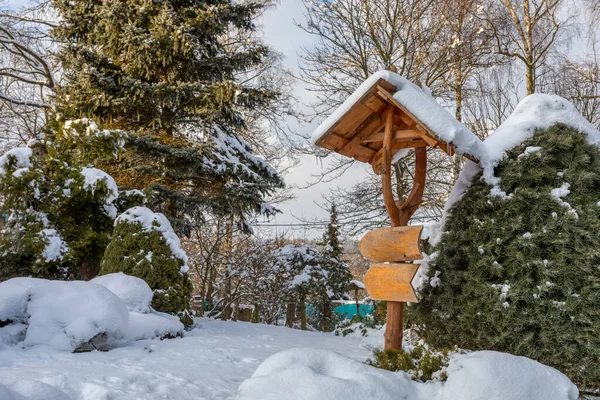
[331, 238]
[144, 245]
[162, 72]
[521, 274]
[59, 211]
[338, 273]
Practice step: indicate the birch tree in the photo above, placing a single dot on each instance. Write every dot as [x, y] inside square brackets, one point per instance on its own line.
[526, 30]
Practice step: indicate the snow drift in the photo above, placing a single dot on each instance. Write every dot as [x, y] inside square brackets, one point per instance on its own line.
[77, 315]
[308, 374]
[133, 291]
[67, 315]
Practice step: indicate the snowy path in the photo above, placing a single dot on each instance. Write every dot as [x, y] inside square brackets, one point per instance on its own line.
[208, 364]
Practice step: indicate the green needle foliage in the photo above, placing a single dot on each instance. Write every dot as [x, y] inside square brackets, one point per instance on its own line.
[522, 275]
[59, 212]
[140, 250]
[166, 73]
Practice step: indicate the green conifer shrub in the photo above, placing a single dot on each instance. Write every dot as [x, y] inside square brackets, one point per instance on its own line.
[144, 245]
[59, 212]
[521, 275]
[422, 362]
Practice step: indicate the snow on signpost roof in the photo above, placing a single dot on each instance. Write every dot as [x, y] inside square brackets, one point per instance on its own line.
[355, 128]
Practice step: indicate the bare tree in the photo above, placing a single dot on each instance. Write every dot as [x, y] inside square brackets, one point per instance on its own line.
[526, 30]
[28, 73]
[359, 37]
[493, 99]
[579, 82]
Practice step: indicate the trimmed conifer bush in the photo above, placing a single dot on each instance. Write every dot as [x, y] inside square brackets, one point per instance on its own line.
[144, 245]
[522, 274]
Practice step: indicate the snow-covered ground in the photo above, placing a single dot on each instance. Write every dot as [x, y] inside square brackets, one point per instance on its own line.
[210, 362]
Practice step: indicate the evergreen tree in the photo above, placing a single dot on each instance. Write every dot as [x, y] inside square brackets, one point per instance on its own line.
[331, 237]
[521, 274]
[59, 212]
[338, 273]
[162, 72]
[145, 245]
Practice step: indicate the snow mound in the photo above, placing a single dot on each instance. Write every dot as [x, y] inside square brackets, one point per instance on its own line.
[151, 221]
[22, 157]
[153, 325]
[135, 292]
[27, 389]
[13, 298]
[307, 374]
[419, 103]
[492, 375]
[12, 334]
[65, 315]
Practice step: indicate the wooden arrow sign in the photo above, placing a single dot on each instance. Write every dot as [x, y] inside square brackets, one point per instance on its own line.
[392, 244]
[391, 282]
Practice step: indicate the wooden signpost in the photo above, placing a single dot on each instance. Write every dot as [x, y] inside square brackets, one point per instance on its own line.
[392, 282]
[392, 244]
[372, 130]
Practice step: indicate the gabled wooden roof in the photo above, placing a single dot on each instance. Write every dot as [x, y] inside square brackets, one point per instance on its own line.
[358, 133]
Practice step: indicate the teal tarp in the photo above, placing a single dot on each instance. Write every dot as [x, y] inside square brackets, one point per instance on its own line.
[349, 310]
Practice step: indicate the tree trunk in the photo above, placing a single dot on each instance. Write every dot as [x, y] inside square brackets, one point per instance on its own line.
[326, 315]
[290, 315]
[358, 316]
[302, 309]
[530, 78]
[255, 314]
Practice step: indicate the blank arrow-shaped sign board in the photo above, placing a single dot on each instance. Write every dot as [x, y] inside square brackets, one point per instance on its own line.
[392, 244]
[391, 282]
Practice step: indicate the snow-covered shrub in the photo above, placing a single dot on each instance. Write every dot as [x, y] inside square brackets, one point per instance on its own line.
[70, 316]
[133, 291]
[60, 211]
[309, 374]
[80, 316]
[153, 325]
[422, 362]
[144, 322]
[13, 299]
[144, 245]
[516, 269]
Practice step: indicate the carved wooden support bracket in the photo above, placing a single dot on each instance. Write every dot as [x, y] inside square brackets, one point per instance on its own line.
[401, 213]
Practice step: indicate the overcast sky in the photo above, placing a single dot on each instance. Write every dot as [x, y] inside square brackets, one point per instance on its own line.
[282, 34]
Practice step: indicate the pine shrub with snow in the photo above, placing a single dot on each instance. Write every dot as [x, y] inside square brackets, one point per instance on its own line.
[59, 211]
[144, 245]
[517, 266]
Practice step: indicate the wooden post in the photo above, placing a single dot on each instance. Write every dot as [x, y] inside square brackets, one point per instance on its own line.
[399, 216]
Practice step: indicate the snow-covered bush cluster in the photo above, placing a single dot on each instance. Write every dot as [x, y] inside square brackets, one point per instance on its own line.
[305, 275]
[59, 211]
[79, 316]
